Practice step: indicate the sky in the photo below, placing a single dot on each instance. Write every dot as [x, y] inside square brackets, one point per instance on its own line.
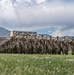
[53, 17]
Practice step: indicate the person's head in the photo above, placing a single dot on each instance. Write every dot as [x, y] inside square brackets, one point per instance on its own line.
[58, 37]
[50, 37]
[14, 33]
[66, 38]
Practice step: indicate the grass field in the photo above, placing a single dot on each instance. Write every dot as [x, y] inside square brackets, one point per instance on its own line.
[20, 64]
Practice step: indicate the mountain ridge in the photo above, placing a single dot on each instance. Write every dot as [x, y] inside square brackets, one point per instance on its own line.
[3, 32]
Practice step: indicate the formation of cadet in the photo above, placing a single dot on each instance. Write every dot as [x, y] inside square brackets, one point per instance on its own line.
[34, 44]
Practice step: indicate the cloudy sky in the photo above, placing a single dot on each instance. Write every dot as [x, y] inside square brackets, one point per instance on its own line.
[53, 17]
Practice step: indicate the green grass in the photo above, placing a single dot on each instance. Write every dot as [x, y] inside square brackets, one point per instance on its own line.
[20, 64]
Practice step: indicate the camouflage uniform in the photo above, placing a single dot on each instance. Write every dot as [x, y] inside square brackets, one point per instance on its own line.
[59, 45]
[72, 46]
[65, 46]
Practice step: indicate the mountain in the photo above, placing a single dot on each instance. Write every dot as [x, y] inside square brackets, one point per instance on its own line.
[69, 37]
[44, 35]
[4, 32]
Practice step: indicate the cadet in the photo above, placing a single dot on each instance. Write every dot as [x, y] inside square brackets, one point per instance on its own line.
[65, 45]
[59, 45]
[72, 46]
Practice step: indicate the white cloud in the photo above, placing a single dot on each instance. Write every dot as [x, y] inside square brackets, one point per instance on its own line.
[37, 14]
[66, 32]
[40, 1]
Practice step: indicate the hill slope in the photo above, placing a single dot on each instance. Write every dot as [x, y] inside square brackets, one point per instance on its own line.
[3, 32]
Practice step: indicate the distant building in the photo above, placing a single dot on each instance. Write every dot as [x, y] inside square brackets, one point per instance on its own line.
[20, 32]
